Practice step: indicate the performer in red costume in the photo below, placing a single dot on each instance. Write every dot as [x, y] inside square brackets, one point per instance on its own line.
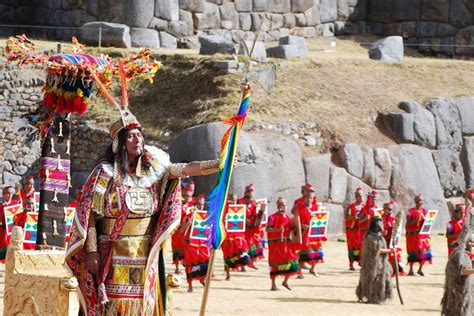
[234, 247]
[311, 251]
[28, 206]
[7, 194]
[282, 256]
[252, 232]
[197, 253]
[351, 217]
[418, 245]
[177, 240]
[28, 190]
[388, 220]
[454, 227]
[305, 190]
[367, 212]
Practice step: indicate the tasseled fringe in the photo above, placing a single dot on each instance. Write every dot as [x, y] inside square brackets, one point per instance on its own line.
[124, 307]
[61, 101]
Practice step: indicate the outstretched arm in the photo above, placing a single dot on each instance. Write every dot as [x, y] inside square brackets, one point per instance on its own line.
[194, 168]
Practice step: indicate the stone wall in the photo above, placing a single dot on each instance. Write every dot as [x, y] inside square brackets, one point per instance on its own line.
[20, 91]
[435, 158]
[432, 26]
[160, 23]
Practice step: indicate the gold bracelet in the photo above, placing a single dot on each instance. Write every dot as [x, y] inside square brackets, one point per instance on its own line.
[209, 166]
[91, 241]
[177, 169]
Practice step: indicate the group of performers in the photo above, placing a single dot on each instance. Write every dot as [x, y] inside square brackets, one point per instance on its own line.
[357, 223]
[24, 196]
[290, 246]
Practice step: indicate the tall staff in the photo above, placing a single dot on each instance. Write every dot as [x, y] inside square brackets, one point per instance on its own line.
[395, 239]
[217, 199]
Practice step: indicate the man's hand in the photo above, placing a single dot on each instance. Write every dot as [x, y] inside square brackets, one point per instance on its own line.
[93, 262]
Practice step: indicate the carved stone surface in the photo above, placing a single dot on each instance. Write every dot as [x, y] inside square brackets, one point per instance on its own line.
[36, 282]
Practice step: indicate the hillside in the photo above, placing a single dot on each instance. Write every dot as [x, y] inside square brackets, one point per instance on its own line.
[342, 91]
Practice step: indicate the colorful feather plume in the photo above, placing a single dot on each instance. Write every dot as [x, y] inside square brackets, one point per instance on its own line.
[217, 198]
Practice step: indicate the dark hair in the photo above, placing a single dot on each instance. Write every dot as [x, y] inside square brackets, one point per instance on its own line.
[374, 227]
[121, 154]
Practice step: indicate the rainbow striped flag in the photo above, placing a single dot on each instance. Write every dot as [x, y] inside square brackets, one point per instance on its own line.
[217, 198]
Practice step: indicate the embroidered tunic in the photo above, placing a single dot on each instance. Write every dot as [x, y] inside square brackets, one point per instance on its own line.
[131, 275]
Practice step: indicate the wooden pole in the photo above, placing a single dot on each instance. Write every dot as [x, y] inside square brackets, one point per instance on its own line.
[205, 294]
[396, 275]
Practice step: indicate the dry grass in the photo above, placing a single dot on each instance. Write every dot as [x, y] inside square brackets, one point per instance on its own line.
[343, 91]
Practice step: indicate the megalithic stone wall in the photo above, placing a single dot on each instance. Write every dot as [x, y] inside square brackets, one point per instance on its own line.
[434, 27]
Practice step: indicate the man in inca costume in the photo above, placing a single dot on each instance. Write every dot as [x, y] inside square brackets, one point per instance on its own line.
[457, 300]
[375, 285]
[130, 205]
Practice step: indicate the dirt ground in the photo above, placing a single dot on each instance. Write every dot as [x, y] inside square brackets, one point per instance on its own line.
[332, 293]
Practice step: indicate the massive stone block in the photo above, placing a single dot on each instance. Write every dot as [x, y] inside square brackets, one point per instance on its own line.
[145, 38]
[328, 11]
[464, 40]
[435, 10]
[369, 167]
[317, 170]
[424, 127]
[113, 34]
[279, 6]
[209, 18]
[466, 113]
[413, 172]
[450, 171]
[389, 49]
[213, 44]
[459, 14]
[166, 9]
[243, 5]
[299, 6]
[448, 124]
[352, 158]
[338, 186]
[467, 160]
[383, 168]
[273, 163]
[336, 218]
[192, 5]
[400, 125]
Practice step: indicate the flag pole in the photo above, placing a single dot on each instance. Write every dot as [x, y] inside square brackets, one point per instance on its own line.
[205, 295]
[218, 196]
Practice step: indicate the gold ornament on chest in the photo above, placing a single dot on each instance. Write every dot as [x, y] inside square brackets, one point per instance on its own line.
[139, 200]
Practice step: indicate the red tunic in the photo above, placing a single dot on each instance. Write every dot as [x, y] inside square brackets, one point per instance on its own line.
[311, 250]
[454, 227]
[177, 239]
[252, 233]
[282, 256]
[26, 195]
[418, 245]
[4, 239]
[352, 231]
[388, 224]
[235, 249]
[196, 257]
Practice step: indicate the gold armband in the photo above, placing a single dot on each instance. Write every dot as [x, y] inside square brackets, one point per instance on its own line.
[177, 170]
[91, 241]
[209, 166]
